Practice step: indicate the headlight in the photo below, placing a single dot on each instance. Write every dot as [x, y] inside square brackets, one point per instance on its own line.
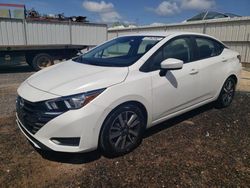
[73, 101]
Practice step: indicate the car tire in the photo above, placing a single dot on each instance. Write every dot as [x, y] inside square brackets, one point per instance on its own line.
[122, 130]
[227, 93]
[41, 61]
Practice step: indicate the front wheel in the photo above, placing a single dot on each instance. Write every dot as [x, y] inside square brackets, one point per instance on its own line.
[227, 93]
[122, 130]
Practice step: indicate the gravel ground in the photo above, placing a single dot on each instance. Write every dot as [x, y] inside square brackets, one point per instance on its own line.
[206, 147]
[10, 79]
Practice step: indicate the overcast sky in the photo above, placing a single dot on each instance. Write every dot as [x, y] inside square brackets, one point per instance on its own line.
[141, 12]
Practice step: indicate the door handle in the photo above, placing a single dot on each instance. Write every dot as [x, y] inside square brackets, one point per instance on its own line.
[193, 71]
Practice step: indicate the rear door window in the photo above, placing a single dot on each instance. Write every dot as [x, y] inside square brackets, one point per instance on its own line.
[208, 47]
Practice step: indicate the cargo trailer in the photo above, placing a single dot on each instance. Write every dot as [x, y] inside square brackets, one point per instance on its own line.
[40, 42]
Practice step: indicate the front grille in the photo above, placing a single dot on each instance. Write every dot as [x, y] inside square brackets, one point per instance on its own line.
[33, 115]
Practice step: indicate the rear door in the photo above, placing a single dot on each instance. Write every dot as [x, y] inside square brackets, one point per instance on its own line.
[210, 64]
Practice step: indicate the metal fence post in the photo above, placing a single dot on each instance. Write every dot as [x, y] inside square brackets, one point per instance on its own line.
[25, 31]
[70, 32]
[246, 54]
[204, 28]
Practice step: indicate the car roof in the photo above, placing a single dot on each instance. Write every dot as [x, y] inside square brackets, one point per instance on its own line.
[172, 33]
[166, 34]
[205, 14]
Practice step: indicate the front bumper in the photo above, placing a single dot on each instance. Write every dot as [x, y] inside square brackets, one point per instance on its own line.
[84, 123]
[35, 142]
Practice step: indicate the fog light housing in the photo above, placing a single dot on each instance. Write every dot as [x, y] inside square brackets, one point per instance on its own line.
[69, 141]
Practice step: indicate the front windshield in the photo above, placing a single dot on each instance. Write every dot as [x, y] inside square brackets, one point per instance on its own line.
[120, 52]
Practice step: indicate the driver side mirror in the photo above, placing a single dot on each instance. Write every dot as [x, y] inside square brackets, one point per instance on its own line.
[170, 64]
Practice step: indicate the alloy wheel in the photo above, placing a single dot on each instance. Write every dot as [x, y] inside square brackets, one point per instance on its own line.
[228, 92]
[124, 130]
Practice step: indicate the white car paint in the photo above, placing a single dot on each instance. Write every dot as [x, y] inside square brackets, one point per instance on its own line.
[196, 84]
[72, 78]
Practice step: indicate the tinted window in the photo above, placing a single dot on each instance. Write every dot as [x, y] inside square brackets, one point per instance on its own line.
[177, 48]
[208, 48]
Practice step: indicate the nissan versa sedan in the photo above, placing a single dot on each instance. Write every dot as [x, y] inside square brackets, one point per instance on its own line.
[107, 97]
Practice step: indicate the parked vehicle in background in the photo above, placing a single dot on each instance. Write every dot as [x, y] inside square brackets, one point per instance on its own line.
[107, 97]
[208, 15]
[41, 40]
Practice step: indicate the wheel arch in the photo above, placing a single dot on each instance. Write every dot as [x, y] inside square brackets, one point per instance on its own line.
[231, 75]
[134, 102]
[234, 77]
[140, 105]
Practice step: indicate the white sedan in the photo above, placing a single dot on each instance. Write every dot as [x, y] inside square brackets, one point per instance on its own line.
[107, 97]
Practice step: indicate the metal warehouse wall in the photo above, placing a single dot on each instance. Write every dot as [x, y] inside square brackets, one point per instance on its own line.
[234, 32]
[15, 32]
[91, 35]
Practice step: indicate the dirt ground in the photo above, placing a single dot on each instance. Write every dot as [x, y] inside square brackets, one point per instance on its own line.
[203, 148]
[245, 80]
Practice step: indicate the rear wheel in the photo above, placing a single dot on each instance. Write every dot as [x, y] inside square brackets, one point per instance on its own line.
[41, 61]
[122, 131]
[227, 93]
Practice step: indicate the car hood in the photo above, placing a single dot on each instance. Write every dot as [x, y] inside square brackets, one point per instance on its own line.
[70, 78]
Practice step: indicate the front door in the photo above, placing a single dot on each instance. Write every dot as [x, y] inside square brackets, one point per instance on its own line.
[179, 88]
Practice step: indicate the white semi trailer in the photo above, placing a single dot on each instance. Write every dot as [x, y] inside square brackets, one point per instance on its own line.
[40, 42]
